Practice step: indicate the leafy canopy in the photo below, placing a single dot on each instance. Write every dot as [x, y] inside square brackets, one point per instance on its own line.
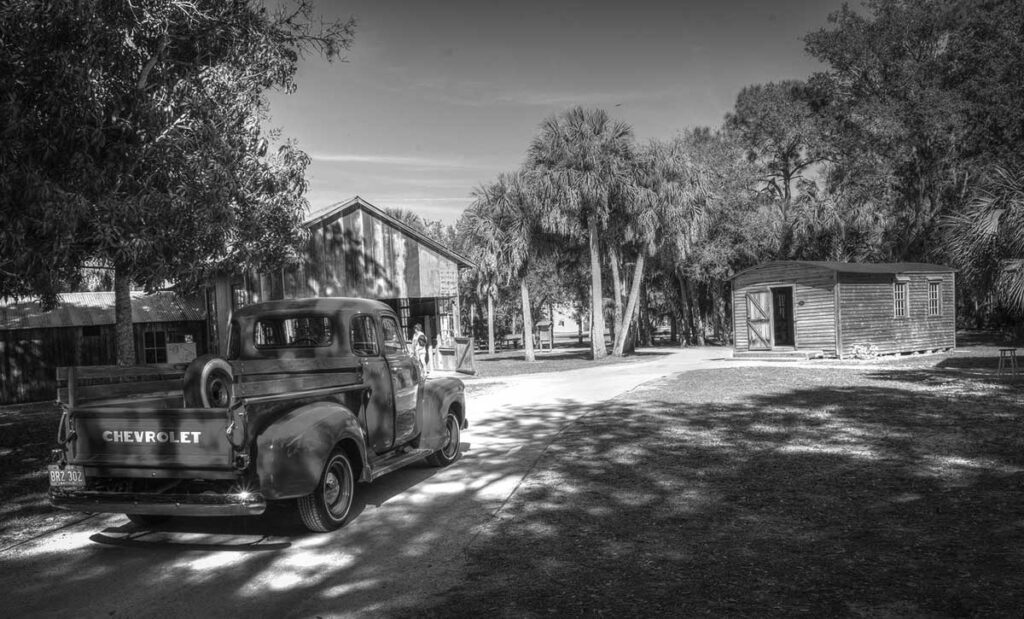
[130, 136]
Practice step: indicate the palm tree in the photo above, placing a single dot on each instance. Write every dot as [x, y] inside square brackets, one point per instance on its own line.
[582, 160]
[476, 233]
[504, 210]
[986, 240]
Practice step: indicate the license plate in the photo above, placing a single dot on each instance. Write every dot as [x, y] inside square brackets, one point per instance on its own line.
[71, 476]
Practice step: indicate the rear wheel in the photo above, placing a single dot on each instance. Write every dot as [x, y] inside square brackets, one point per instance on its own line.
[147, 520]
[328, 506]
[452, 447]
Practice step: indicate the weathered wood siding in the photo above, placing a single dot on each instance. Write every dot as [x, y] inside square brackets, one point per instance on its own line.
[813, 304]
[867, 315]
[361, 255]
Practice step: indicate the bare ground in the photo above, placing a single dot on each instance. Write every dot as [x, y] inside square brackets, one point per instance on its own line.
[868, 489]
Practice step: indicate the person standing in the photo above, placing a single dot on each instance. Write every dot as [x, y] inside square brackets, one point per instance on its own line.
[419, 345]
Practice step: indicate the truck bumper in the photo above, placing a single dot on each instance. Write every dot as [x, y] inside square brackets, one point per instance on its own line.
[159, 504]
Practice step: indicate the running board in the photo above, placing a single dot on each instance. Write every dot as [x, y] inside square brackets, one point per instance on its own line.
[393, 463]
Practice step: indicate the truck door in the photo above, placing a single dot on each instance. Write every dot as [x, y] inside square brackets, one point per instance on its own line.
[406, 375]
[380, 408]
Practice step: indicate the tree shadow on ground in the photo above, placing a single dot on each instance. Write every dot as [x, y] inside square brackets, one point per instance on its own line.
[407, 523]
[866, 500]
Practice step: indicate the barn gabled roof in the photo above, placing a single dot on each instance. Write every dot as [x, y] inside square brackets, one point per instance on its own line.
[83, 309]
[880, 268]
[340, 209]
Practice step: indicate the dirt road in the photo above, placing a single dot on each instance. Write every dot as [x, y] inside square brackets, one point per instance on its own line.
[405, 545]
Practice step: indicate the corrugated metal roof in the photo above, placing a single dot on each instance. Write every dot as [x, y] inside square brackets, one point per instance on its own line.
[857, 267]
[79, 309]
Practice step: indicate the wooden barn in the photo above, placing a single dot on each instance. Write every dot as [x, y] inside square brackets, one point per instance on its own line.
[837, 309]
[356, 249]
[80, 331]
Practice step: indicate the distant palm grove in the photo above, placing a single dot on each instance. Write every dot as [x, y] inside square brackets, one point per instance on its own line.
[907, 147]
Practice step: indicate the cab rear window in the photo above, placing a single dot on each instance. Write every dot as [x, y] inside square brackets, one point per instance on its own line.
[293, 332]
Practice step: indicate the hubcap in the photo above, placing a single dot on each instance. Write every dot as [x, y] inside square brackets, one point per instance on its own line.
[337, 489]
[451, 445]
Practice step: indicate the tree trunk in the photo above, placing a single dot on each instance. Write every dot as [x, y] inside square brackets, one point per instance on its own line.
[613, 258]
[697, 317]
[490, 323]
[527, 321]
[684, 311]
[597, 345]
[123, 329]
[627, 319]
[645, 315]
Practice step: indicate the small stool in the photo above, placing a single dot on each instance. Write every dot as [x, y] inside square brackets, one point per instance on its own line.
[1007, 361]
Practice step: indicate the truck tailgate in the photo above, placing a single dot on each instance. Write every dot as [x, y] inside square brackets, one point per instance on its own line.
[130, 442]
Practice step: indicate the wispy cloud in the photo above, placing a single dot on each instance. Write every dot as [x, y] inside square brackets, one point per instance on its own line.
[401, 160]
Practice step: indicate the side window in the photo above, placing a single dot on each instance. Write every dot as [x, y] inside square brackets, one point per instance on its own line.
[364, 336]
[899, 299]
[154, 346]
[393, 343]
[934, 298]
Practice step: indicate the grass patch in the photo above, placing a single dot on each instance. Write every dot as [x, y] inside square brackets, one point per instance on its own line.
[883, 490]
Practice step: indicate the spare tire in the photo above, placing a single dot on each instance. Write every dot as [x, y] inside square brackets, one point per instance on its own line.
[208, 383]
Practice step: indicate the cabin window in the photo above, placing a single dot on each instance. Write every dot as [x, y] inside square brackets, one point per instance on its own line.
[899, 299]
[294, 332]
[364, 336]
[154, 346]
[934, 298]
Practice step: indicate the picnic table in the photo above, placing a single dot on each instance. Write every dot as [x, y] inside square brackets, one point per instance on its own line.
[512, 339]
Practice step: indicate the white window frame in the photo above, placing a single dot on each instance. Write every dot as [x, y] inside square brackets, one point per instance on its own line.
[899, 299]
[934, 298]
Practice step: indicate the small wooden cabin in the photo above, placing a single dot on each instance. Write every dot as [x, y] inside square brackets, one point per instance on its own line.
[833, 308]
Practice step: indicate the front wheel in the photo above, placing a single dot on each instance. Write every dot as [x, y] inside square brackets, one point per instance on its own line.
[327, 507]
[452, 447]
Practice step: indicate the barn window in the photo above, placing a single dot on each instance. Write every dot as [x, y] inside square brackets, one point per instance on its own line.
[934, 298]
[899, 299]
[154, 346]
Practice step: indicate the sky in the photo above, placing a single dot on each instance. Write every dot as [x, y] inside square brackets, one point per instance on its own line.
[437, 98]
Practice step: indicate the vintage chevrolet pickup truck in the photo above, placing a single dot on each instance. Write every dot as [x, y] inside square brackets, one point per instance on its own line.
[313, 396]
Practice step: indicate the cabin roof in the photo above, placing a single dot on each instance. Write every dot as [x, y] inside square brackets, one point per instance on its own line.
[82, 309]
[880, 268]
[340, 209]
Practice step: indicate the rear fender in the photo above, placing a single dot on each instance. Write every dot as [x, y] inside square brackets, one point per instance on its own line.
[437, 397]
[291, 453]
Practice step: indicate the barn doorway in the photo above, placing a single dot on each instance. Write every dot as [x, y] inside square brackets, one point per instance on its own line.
[782, 316]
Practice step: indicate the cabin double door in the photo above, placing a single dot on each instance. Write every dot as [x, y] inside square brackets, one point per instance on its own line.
[770, 322]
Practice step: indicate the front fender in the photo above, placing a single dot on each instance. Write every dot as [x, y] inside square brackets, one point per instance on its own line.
[436, 397]
[290, 454]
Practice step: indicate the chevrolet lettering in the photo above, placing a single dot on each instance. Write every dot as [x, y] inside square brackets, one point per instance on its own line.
[149, 436]
[313, 396]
